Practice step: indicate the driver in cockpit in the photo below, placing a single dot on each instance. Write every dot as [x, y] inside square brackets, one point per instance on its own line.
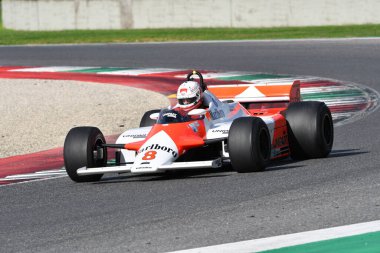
[189, 96]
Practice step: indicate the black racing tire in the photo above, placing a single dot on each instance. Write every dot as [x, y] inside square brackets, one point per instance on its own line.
[249, 144]
[310, 130]
[78, 151]
[146, 120]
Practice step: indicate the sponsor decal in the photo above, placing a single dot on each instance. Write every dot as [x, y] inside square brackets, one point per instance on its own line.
[183, 90]
[223, 131]
[194, 126]
[170, 115]
[151, 154]
[280, 141]
[135, 136]
[138, 168]
[280, 151]
[217, 114]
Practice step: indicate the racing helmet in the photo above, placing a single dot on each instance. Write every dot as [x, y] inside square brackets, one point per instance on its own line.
[189, 95]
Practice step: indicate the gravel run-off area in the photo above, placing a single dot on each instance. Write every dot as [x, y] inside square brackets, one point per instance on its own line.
[36, 115]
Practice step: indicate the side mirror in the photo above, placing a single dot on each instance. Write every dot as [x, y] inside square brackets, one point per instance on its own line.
[154, 116]
[197, 112]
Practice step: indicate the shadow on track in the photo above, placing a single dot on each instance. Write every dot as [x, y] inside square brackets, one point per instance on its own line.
[283, 165]
[346, 152]
[225, 171]
[169, 175]
[288, 163]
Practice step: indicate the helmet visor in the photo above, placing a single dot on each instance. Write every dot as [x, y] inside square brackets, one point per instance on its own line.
[187, 101]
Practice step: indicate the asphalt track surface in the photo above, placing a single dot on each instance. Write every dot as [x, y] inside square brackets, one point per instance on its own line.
[200, 208]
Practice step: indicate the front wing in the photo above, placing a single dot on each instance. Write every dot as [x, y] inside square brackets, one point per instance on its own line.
[217, 163]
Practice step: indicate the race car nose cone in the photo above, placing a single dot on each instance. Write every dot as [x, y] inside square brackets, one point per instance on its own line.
[159, 150]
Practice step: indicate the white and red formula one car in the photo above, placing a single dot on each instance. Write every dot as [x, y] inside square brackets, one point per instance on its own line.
[245, 125]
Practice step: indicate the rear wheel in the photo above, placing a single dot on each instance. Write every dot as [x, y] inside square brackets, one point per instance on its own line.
[146, 120]
[310, 129]
[83, 148]
[249, 144]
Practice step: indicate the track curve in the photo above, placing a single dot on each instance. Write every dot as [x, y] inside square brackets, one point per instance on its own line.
[191, 209]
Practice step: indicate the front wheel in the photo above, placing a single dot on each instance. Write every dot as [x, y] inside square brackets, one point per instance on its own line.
[83, 147]
[249, 144]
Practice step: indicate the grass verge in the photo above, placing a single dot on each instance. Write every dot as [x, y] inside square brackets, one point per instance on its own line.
[11, 37]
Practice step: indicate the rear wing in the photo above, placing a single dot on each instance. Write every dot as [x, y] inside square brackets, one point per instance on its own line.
[263, 92]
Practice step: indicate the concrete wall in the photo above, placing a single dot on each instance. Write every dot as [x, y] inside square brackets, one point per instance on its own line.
[253, 13]
[65, 14]
[119, 14]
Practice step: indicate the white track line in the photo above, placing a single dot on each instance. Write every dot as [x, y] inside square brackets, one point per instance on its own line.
[51, 69]
[34, 177]
[33, 180]
[290, 239]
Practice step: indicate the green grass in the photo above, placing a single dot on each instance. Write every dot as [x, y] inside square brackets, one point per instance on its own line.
[11, 37]
[1, 18]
